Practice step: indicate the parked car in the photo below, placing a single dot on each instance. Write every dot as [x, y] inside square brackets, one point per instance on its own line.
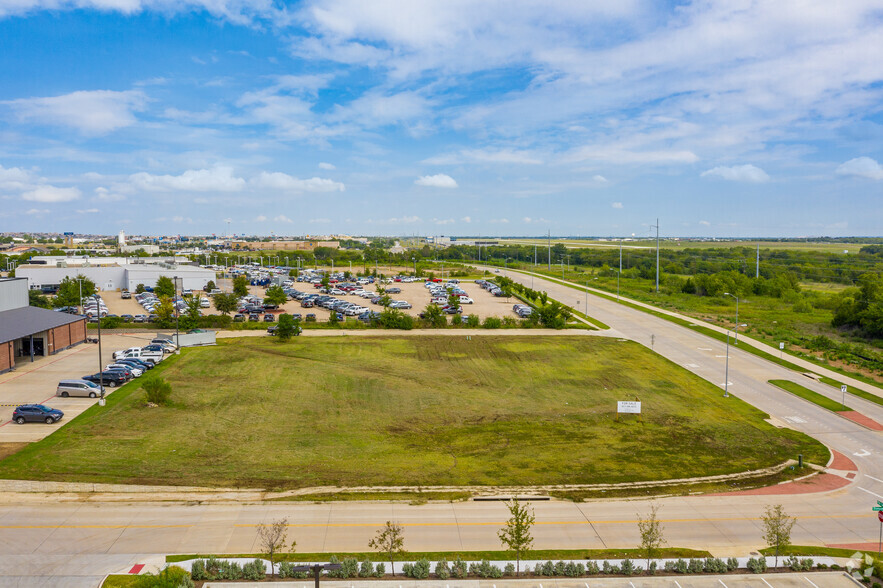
[77, 388]
[238, 318]
[110, 379]
[125, 294]
[35, 413]
[269, 318]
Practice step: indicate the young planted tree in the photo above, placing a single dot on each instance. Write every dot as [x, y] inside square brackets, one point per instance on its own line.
[453, 301]
[240, 286]
[272, 539]
[165, 313]
[139, 289]
[391, 541]
[210, 286]
[190, 318]
[38, 300]
[225, 303]
[516, 534]
[164, 287]
[287, 328]
[434, 316]
[651, 533]
[275, 295]
[777, 528]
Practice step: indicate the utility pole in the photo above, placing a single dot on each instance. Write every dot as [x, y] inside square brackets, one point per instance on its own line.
[550, 250]
[657, 253]
[619, 275]
[534, 255]
[757, 271]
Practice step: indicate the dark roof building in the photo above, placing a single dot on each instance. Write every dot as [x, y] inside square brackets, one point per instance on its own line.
[27, 332]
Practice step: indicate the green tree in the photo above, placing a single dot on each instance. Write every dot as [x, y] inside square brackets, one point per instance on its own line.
[777, 526]
[69, 291]
[515, 536]
[325, 280]
[139, 289]
[651, 533]
[35, 298]
[434, 316]
[158, 391]
[190, 318]
[165, 313]
[210, 286]
[275, 295]
[164, 287]
[453, 301]
[225, 303]
[287, 328]
[332, 318]
[240, 286]
[391, 541]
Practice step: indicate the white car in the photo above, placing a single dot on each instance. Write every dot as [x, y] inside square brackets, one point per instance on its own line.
[204, 303]
[135, 371]
[466, 300]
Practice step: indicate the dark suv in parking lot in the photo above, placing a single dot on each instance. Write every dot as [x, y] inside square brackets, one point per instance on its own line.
[35, 413]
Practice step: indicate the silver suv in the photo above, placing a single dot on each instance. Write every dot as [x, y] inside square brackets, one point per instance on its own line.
[78, 388]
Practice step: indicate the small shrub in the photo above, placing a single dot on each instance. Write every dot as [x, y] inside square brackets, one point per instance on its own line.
[254, 571]
[548, 569]
[574, 570]
[669, 566]
[473, 321]
[367, 569]
[652, 568]
[285, 569]
[681, 566]
[756, 565]
[442, 570]
[509, 570]
[349, 567]
[380, 570]
[169, 576]
[197, 570]
[492, 322]
[559, 568]
[158, 391]
[592, 568]
[715, 565]
[627, 567]
[732, 564]
[486, 570]
[420, 569]
[835, 567]
[458, 569]
[806, 564]
[697, 566]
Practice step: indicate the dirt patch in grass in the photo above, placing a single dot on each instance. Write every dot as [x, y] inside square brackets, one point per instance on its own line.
[7, 449]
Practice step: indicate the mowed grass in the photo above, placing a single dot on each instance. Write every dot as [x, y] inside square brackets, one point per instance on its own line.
[419, 411]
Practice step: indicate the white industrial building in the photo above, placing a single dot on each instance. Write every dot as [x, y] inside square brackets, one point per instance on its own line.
[110, 273]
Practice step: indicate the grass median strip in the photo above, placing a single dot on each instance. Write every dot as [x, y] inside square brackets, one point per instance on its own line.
[807, 394]
[540, 554]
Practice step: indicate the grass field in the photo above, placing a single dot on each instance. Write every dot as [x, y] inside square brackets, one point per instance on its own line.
[809, 395]
[414, 411]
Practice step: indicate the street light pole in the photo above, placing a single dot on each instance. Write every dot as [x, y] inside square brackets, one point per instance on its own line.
[736, 336]
[177, 338]
[100, 366]
[727, 365]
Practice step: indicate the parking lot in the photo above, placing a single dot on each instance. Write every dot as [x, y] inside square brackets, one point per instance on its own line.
[35, 383]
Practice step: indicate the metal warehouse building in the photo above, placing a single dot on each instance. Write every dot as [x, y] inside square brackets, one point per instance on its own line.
[27, 332]
[114, 275]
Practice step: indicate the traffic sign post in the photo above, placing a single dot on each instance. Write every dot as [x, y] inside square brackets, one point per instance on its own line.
[843, 397]
[879, 510]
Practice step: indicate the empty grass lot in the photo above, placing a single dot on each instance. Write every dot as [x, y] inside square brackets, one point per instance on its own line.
[413, 411]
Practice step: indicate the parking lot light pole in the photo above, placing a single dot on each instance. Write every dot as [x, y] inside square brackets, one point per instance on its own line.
[177, 338]
[727, 368]
[736, 336]
[100, 367]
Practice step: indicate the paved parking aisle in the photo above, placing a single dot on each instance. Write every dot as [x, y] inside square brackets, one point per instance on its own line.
[35, 383]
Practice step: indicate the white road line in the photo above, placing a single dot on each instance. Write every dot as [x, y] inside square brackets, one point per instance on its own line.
[676, 582]
[768, 584]
[722, 583]
[633, 586]
[810, 581]
[869, 492]
[873, 478]
[701, 349]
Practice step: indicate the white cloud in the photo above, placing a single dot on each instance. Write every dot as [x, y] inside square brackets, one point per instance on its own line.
[738, 173]
[48, 193]
[182, 219]
[281, 181]
[37, 211]
[320, 221]
[466, 219]
[504, 156]
[705, 223]
[217, 179]
[15, 178]
[437, 181]
[502, 221]
[446, 221]
[616, 204]
[91, 112]
[260, 218]
[326, 166]
[88, 211]
[861, 166]
[282, 219]
[407, 220]
[600, 179]
[105, 195]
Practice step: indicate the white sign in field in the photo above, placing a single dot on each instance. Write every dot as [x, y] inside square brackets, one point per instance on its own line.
[628, 407]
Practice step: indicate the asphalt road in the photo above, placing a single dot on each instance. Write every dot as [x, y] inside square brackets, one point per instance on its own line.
[104, 538]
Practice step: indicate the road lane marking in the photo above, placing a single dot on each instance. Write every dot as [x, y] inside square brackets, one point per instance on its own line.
[873, 478]
[703, 349]
[869, 492]
[810, 581]
[676, 582]
[862, 453]
[767, 583]
[722, 583]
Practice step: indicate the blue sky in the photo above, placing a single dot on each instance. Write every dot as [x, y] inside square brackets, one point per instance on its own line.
[442, 117]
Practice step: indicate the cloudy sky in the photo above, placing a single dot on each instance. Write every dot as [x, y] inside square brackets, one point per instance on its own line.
[452, 117]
